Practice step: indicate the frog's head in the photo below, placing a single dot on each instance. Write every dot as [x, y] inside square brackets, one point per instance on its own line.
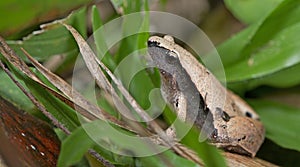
[244, 135]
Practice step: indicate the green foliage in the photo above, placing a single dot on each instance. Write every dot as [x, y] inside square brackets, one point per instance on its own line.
[63, 113]
[264, 53]
[208, 153]
[52, 36]
[12, 93]
[281, 122]
[88, 134]
[267, 53]
[54, 40]
[251, 11]
[140, 86]
[173, 159]
[17, 16]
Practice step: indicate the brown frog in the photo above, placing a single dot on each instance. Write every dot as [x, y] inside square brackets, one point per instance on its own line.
[199, 98]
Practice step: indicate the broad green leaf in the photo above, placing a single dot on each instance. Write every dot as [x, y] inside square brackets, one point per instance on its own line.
[251, 11]
[280, 54]
[281, 122]
[282, 79]
[285, 15]
[82, 139]
[162, 159]
[265, 52]
[87, 135]
[53, 39]
[20, 15]
[229, 51]
[68, 156]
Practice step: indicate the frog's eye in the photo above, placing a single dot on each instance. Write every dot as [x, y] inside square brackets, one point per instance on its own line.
[176, 103]
[225, 116]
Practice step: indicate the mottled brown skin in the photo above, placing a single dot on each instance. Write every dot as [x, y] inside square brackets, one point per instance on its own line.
[229, 122]
[29, 141]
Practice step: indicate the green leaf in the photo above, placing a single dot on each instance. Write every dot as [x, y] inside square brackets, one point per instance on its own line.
[12, 93]
[282, 79]
[25, 14]
[229, 51]
[133, 6]
[89, 134]
[129, 58]
[57, 108]
[209, 154]
[284, 16]
[280, 53]
[190, 137]
[141, 85]
[266, 52]
[62, 112]
[251, 11]
[96, 19]
[100, 41]
[143, 37]
[281, 122]
[53, 39]
[81, 137]
[68, 156]
[161, 159]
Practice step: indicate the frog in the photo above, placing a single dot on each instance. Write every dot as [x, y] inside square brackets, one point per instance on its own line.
[199, 98]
